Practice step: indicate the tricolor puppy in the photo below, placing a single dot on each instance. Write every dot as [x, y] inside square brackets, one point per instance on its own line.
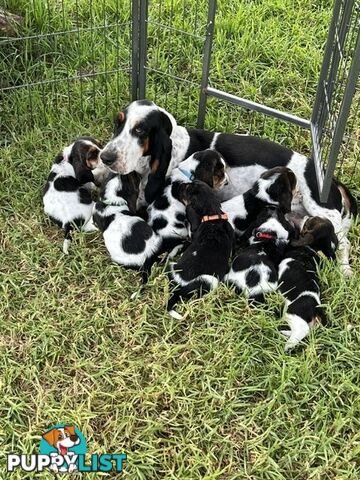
[205, 262]
[130, 241]
[254, 270]
[167, 215]
[66, 199]
[274, 187]
[62, 439]
[298, 278]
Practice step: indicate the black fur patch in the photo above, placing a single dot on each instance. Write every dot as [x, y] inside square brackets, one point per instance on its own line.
[66, 184]
[159, 223]
[252, 278]
[181, 217]
[85, 196]
[161, 203]
[241, 224]
[179, 225]
[135, 242]
[103, 222]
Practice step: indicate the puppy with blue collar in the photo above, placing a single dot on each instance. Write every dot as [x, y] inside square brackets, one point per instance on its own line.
[205, 262]
[67, 196]
[130, 241]
[166, 215]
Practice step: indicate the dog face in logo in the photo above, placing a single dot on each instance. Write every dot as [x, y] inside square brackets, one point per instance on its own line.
[62, 438]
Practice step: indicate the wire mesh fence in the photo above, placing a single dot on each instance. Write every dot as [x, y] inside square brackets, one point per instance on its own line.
[86, 58]
[335, 119]
[68, 59]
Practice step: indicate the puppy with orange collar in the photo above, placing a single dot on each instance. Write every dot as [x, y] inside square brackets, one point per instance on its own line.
[62, 439]
[206, 261]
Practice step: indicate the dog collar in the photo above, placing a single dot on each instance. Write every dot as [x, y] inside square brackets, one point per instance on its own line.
[187, 174]
[265, 236]
[209, 218]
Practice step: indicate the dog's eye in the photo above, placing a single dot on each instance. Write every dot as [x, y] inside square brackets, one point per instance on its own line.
[138, 130]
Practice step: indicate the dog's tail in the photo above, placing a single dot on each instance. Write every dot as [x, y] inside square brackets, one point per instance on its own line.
[348, 198]
[67, 238]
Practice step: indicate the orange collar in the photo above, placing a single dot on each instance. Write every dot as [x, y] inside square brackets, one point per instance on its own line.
[209, 218]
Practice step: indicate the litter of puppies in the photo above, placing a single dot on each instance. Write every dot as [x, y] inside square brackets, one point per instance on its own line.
[249, 241]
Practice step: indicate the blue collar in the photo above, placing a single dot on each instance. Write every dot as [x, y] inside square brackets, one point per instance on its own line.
[187, 174]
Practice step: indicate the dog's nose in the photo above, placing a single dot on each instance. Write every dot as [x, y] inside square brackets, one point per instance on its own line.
[108, 157]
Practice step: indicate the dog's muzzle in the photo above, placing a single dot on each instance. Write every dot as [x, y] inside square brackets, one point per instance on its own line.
[108, 157]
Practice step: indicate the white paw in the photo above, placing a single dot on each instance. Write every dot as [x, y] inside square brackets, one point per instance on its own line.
[286, 333]
[346, 270]
[290, 344]
[66, 245]
[176, 315]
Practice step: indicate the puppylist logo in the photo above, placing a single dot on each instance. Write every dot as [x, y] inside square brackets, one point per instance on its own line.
[62, 450]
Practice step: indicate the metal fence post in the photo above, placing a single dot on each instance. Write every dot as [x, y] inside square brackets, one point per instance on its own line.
[206, 63]
[143, 47]
[341, 121]
[135, 50]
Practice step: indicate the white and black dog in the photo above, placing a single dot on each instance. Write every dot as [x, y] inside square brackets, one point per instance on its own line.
[130, 241]
[298, 278]
[254, 271]
[167, 215]
[274, 187]
[66, 198]
[205, 262]
[148, 140]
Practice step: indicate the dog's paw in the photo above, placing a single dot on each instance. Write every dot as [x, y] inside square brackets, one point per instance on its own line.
[175, 314]
[286, 333]
[346, 270]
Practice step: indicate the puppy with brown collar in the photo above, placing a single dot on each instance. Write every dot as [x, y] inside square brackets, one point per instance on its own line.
[205, 262]
[299, 280]
[66, 196]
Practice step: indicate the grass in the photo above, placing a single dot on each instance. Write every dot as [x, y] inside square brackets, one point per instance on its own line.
[212, 396]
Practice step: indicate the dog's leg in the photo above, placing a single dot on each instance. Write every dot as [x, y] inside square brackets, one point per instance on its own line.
[67, 238]
[89, 226]
[344, 254]
[299, 329]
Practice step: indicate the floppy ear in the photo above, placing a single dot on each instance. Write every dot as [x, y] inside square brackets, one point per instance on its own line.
[193, 218]
[304, 240]
[160, 151]
[285, 200]
[50, 436]
[205, 172]
[70, 429]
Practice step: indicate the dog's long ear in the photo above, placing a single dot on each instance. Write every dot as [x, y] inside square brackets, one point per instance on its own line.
[303, 240]
[193, 218]
[50, 436]
[205, 171]
[160, 151]
[70, 429]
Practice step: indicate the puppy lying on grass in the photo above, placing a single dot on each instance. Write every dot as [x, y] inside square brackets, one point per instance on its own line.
[66, 196]
[254, 271]
[130, 241]
[205, 262]
[299, 280]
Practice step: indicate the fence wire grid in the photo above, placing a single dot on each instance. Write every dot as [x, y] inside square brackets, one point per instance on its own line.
[87, 58]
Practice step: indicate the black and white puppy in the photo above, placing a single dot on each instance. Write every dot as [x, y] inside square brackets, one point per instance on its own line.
[167, 215]
[130, 241]
[148, 140]
[298, 278]
[254, 271]
[66, 198]
[206, 261]
[274, 187]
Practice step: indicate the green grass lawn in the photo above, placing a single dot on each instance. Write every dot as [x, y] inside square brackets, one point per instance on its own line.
[212, 396]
